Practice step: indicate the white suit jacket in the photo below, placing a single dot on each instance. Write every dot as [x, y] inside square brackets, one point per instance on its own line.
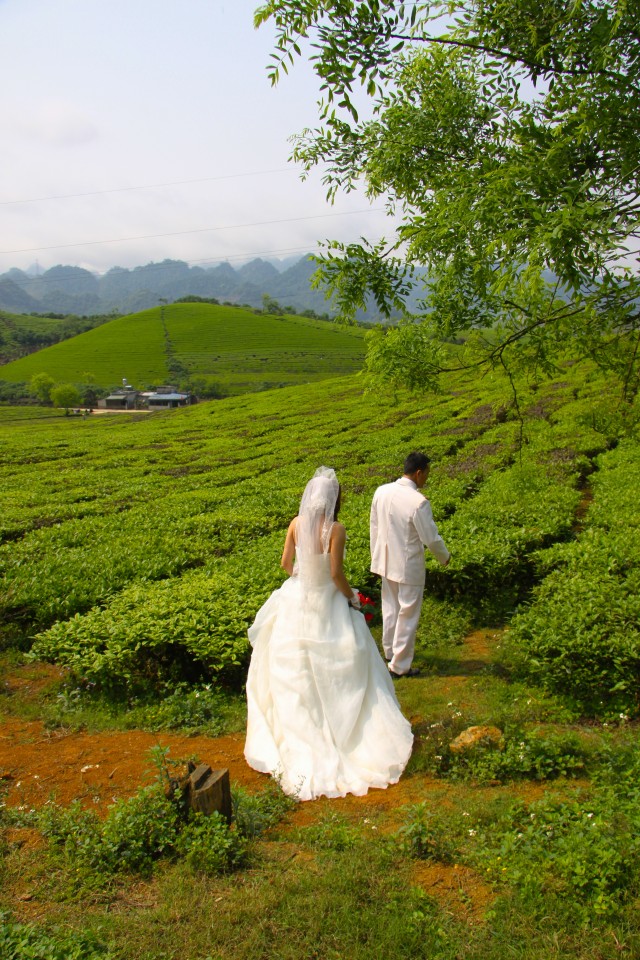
[401, 526]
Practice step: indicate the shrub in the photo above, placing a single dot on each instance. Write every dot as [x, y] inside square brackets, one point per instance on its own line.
[210, 846]
[135, 832]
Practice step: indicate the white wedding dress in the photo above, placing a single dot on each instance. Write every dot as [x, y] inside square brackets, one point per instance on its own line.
[322, 711]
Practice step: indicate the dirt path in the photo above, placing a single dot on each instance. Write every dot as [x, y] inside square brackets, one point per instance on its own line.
[100, 767]
[97, 769]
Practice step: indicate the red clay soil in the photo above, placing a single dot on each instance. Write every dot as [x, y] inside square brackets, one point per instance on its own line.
[458, 889]
[37, 763]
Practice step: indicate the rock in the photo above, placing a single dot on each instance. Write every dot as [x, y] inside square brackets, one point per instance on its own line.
[472, 736]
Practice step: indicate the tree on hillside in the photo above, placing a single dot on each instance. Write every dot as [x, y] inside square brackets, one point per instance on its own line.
[66, 395]
[270, 305]
[40, 386]
[505, 137]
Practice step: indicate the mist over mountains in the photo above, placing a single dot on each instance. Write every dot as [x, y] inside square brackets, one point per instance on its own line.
[73, 290]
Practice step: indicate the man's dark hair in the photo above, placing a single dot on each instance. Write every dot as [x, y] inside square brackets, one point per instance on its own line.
[414, 462]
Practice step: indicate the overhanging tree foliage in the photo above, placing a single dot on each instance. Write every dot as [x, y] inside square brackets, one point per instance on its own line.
[505, 137]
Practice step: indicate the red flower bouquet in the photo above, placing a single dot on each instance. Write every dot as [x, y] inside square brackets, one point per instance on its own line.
[367, 606]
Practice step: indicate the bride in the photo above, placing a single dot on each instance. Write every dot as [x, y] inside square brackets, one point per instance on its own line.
[322, 711]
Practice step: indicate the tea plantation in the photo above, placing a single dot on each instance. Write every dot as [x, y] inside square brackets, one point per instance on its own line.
[237, 349]
[138, 551]
[135, 549]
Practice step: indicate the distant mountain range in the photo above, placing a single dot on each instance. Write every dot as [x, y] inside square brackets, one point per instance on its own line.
[73, 290]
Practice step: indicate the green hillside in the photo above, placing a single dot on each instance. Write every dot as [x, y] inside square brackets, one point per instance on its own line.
[21, 332]
[229, 346]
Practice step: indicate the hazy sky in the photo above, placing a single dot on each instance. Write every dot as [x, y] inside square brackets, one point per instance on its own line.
[109, 107]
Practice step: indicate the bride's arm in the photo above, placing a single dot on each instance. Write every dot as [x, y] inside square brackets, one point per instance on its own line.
[289, 552]
[336, 550]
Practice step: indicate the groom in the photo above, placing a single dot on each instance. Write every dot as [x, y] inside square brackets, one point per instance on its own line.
[401, 527]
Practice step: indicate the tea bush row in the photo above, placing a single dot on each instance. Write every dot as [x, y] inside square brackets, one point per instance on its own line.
[153, 635]
[580, 636]
[196, 624]
[213, 488]
[61, 570]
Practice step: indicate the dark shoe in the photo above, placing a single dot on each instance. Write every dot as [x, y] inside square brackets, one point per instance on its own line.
[413, 672]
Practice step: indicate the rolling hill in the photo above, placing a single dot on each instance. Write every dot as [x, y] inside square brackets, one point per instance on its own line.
[236, 349]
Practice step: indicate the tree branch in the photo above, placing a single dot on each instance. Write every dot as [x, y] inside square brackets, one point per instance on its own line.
[506, 55]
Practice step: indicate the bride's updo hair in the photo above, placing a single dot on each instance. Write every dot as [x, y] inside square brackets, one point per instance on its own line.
[338, 503]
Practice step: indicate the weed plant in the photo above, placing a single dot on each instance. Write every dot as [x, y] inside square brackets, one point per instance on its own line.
[578, 857]
[200, 709]
[26, 941]
[424, 837]
[332, 832]
[134, 834]
[255, 813]
[522, 755]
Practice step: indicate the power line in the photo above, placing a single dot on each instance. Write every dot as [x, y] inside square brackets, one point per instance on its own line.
[144, 186]
[182, 233]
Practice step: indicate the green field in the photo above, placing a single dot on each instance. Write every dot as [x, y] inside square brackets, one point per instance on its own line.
[135, 550]
[235, 348]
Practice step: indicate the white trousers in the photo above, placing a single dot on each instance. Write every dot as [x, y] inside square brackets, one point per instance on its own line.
[401, 603]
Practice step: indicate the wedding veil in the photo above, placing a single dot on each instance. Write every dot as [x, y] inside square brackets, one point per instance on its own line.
[316, 515]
